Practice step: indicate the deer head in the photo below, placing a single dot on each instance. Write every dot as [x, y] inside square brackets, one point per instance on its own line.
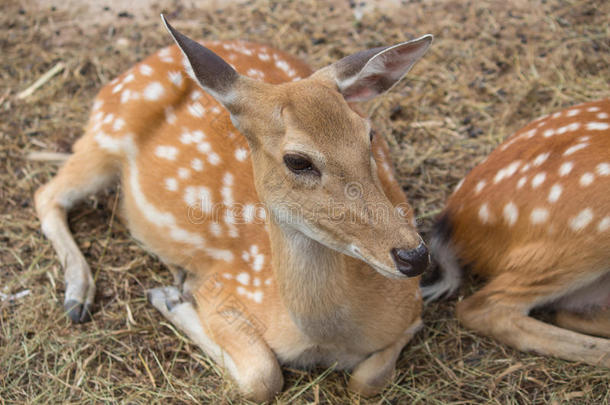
[311, 150]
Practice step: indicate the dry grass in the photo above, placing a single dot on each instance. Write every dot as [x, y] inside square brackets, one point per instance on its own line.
[493, 67]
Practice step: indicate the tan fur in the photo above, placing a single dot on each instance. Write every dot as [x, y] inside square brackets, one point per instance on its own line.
[302, 303]
[552, 246]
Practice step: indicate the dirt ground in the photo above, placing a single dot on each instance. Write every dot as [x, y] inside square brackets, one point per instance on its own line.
[494, 66]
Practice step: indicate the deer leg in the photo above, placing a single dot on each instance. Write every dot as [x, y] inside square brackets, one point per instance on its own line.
[222, 329]
[596, 323]
[375, 372]
[85, 172]
[501, 312]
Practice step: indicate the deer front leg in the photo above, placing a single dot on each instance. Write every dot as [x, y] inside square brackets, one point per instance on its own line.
[228, 337]
[495, 312]
[376, 372]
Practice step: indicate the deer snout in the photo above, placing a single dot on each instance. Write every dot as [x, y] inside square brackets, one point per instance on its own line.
[411, 262]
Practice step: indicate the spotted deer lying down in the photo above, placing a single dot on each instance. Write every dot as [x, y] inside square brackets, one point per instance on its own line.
[534, 219]
[290, 240]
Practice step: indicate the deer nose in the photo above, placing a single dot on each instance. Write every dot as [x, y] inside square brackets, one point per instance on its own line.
[412, 262]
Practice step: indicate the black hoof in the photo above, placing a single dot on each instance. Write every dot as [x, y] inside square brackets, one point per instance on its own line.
[78, 312]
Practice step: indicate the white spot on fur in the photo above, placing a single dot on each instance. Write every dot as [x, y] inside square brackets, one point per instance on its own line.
[573, 112]
[146, 70]
[603, 225]
[117, 88]
[118, 124]
[597, 126]
[215, 229]
[184, 173]
[581, 220]
[186, 138]
[525, 168]
[602, 115]
[255, 73]
[575, 148]
[539, 216]
[196, 110]
[538, 179]
[285, 67]
[586, 179]
[264, 57]
[213, 158]
[529, 134]
[171, 184]
[241, 154]
[568, 128]
[603, 169]
[249, 213]
[166, 152]
[198, 136]
[170, 116]
[199, 197]
[129, 78]
[521, 182]
[511, 213]
[128, 95]
[565, 168]
[243, 278]
[204, 147]
[108, 119]
[175, 77]
[97, 105]
[548, 133]
[153, 91]
[479, 187]
[484, 213]
[540, 159]
[197, 164]
[457, 187]
[555, 193]
[507, 172]
[593, 109]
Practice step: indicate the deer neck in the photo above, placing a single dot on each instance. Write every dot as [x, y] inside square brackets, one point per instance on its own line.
[313, 281]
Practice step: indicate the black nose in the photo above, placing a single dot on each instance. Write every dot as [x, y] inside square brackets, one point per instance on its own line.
[412, 262]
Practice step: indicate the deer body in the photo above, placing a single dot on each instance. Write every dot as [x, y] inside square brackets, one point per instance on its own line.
[534, 219]
[243, 219]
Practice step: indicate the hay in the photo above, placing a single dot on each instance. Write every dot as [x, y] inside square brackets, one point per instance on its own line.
[493, 67]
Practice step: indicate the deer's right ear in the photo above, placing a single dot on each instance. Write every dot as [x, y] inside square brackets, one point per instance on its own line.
[215, 75]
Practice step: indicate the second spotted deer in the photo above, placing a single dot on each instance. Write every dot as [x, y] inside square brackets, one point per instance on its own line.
[291, 241]
[534, 219]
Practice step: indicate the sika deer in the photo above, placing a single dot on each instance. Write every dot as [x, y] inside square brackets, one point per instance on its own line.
[534, 219]
[291, 240]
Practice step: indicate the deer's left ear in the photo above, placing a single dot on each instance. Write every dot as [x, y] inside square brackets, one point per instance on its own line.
[367, 74]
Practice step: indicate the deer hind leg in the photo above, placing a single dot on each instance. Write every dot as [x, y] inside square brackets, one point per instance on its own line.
[85, 172]
[219, 325]
[596, 323]
[500, 310]
[375, 372]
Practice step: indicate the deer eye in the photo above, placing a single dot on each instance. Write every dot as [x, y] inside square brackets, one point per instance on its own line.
[299, 164]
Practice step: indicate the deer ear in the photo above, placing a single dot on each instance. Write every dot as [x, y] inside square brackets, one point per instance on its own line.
[215, 75]
[369, 73]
